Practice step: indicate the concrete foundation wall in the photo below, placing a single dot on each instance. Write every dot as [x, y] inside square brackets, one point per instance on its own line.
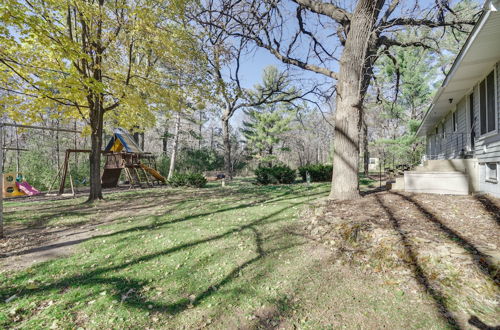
[466, 166]
[452, 183]
[492, 188]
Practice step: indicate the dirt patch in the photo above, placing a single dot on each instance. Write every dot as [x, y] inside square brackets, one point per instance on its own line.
[52, 231]
[447, 247]
[25, 247]
[36, 240]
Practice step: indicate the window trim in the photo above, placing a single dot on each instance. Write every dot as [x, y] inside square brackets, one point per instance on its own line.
[487, 178]
[495, 97]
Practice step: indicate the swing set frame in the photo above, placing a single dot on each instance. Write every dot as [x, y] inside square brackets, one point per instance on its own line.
[2, 125]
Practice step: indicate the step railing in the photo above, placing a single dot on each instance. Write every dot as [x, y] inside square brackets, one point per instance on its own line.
[449, 145]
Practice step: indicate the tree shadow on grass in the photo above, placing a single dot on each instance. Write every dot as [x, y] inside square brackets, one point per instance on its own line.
[475, 321]
[121, 284]
[41, 219]
[482, 260]
[418, 272]
[489, 206]
[156, 225]
[162, 224]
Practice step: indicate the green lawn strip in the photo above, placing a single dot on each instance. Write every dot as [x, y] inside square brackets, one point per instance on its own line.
[160, 265]
[194, 257]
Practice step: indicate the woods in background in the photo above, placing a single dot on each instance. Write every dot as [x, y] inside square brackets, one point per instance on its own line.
[172, 74]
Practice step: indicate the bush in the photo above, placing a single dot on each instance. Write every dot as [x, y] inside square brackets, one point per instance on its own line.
[199, 160]
[318, 172]
[195, 180]
[275, 175]
[163, 165]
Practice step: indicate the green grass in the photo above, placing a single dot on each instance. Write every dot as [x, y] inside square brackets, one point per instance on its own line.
[216, 256]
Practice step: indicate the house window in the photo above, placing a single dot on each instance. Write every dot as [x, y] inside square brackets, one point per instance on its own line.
[455, 124]
[373, 161]
[487, 111]
[492, 172]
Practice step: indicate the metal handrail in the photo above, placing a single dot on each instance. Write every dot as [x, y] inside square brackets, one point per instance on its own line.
[449, 144]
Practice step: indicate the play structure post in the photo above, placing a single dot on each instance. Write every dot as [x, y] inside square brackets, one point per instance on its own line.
[2, 125]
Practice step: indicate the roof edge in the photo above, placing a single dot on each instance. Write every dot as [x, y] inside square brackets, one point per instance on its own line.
[487, 8]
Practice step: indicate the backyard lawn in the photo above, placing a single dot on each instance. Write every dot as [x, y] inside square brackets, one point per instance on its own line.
[233, 257]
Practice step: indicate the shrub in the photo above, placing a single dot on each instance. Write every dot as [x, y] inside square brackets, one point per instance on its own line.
[195, 180]
[199, 160]
[163, 165]
[318, 172]
[275, 175]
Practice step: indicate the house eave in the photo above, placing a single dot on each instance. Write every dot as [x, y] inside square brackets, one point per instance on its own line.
[479, 53]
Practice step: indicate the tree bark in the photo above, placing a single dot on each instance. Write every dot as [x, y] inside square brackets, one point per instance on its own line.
[58, 158]
[270, 156]
[174, 146]
[96, 123]
[354, 76]
[165, 140]
[227, 147]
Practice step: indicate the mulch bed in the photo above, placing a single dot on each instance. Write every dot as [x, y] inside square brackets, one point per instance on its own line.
[445, 246]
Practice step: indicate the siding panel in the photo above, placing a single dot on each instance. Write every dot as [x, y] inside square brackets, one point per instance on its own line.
[488, 149]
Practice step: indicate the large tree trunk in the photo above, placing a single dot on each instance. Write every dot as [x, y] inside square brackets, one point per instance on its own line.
[354, 76]
[227, 147]
[96, 123]
[175, 145]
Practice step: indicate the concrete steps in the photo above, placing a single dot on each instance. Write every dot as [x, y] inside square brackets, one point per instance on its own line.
[447, 176]
[447, 165]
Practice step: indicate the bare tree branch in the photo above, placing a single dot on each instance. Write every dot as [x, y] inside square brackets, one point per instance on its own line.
[328, 9]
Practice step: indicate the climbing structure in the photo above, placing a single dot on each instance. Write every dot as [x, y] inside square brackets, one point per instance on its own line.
[15, 185]
[123, 153]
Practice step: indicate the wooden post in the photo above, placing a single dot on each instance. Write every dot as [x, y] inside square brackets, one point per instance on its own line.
[2, 125]
[65, 173]
[71, 182]
[55, 179]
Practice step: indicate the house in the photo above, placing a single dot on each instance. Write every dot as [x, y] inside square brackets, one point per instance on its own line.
[462, 126]
[373, 164]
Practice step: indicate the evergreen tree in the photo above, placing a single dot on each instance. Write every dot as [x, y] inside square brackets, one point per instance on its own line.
[264, 129]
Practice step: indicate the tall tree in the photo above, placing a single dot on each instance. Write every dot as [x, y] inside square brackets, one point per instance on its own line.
[264, 128]
[342, 43]
[94, 58]
[175, 145]
[224, 55]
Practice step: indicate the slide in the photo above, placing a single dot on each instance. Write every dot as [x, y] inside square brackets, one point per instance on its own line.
[154, 173]
[26, 188]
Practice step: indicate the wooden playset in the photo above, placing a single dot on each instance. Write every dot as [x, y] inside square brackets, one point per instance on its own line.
[123, 153]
